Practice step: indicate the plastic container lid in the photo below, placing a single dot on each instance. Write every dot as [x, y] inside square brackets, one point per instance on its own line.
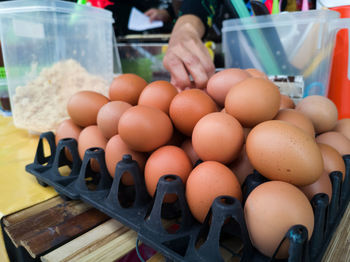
[9, 8]
[282, 19]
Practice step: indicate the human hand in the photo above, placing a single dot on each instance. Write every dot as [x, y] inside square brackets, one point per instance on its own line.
[158, 15]
[187, 56]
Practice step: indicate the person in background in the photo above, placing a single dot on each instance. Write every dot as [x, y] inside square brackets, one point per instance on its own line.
[187, 59]
[186, 56]
[155, 9]
[164, 12]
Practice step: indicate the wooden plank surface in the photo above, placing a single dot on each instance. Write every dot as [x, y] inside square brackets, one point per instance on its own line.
[339, 248]
[40, 228]
[31, 211]
[53, 236]
[48, 218]
[107, 242]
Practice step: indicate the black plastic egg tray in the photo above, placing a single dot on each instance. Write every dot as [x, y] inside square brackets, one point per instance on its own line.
[184, 239]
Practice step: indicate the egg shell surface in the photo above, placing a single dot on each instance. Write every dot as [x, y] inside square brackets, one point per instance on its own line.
[284, 152]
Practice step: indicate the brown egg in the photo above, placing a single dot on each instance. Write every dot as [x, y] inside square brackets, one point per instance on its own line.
[322, 185]
[256, 73]
[109, 115]
[188, 107]
[115, 150]
[145, 128]
[271, 210]
[83, 107]
[91, 136]
[67, 129]
[284, 152]
[286, 102]
[253, 101]
[343, 126]
[220, 83]
[241, 167]
[332, 159]
[320, 110]
[296, 118]
[158, 94]
[207, 181]
[188, 148]
[127, 88]
[218, 137]
[336, 140]
[164, 161]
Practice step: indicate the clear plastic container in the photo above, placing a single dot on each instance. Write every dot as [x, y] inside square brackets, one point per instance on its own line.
[52, 49]
[287, 44]
[144, 59]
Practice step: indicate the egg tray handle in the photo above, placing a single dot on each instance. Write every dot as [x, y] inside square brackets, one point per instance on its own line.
[224, 208]
[108, 196]
[46, 169]
[100, 179]
[40, 158]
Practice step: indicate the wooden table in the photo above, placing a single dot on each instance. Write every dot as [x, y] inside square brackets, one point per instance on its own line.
[98, 237]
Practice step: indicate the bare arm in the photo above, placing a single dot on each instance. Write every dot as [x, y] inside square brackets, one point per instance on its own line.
[187, 55]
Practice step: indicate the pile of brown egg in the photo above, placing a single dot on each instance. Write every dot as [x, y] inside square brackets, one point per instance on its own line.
[239, 123]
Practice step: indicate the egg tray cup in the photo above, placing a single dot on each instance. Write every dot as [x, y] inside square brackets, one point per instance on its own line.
[185, 239]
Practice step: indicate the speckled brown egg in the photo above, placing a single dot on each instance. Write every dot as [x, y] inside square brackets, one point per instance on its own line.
[188, 107]
[166, 160]
[115, 150]
[158, 94]
[207, 181]
[218, 137]
[145, 128]
[83, 107]
[253, 101]
[221, 82]
[336, 140]
[322, 185]
[320, 110]
[296, 118]
[108, 117]
[332, 159]
[271, 209]
[284, 152]
[127, 88]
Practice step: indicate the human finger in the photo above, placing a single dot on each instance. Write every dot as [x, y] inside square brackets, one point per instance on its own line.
[179, 76]
[194, 66]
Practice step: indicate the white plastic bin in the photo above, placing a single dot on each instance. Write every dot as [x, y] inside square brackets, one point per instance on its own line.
[52, 49]
[289, 44]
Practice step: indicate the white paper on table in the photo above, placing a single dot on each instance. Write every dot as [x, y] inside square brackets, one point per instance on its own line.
[138, 21]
